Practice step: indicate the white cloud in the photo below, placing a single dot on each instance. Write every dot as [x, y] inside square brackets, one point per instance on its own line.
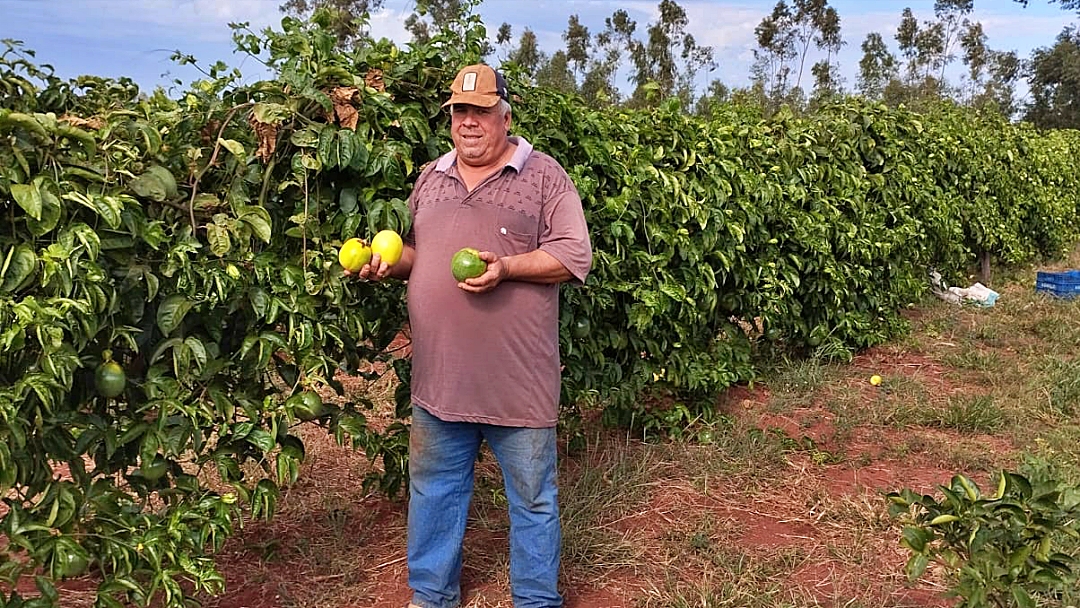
[259, 12]
[1042, 29]
[389, 23]
[723, 26]
[856, 27]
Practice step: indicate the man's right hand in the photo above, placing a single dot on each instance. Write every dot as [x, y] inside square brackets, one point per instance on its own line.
[375, 270]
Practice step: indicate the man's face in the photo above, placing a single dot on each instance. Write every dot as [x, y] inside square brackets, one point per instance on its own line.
[479, 134]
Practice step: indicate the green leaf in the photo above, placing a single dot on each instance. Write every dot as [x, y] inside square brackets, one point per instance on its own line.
[205, 201]
[259, 220]
[375, 215]
[327, 154]
[233, 146]
[341, 151]
[271, 113]
[359, 161]
[1018, 484]
[1022, 598]
[63, 554]
[916, 565]
[347, 201]
[152, 284]
[415, 127]
[109, 208]
[915, 538]
[310, 162]
[50, 215]
[20, 263]
[288, 468]
[1002, 484]
[149, 186]
[151, 137]
[264, 499]
[307, 137]
[28, 196]
[171, 313]
[218, 237]
[400, 210]
[674, 291]
[197, 350]
[165, 177]
[9, 471]
[1048, 577]
[227, 466]
[132, 433]
[970, 489]
[392, 173]
[260, 301]
[353, 424]
[261, 439]
[89, 239]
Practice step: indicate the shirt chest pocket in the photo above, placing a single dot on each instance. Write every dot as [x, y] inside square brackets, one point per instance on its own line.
[516, 232]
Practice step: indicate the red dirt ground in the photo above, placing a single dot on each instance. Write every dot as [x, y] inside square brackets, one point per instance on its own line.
[376, 572]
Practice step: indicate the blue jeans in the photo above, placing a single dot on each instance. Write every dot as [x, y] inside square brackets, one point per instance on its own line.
[441, 458]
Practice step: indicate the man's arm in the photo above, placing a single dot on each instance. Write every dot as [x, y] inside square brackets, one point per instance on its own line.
[536, 266]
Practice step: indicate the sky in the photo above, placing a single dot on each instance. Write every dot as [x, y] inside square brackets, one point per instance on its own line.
[135, 38]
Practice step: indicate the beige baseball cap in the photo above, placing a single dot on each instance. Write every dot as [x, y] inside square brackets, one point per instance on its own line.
[478, 85]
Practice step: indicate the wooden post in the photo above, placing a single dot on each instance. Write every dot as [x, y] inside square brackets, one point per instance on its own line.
[984, 268]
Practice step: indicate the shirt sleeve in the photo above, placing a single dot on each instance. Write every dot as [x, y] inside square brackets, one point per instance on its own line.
[421, 180]
[564, 234]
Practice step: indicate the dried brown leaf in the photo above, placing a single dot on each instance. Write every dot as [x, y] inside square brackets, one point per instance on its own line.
[347, 114]
[374, 79]
[94, 122]
[267, 136]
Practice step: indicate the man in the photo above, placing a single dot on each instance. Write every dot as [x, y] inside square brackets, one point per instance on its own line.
[486, 351]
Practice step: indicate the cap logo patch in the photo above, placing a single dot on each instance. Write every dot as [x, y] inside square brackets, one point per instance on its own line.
[469, 82]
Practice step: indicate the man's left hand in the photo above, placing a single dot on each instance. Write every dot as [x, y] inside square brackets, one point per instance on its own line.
[495, 273]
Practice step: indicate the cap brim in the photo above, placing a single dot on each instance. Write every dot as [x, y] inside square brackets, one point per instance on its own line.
[473, 99]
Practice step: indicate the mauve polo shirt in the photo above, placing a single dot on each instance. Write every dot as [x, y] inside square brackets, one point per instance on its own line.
[494, 357]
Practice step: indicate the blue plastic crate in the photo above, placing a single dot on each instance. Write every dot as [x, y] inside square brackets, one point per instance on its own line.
[1059, 284]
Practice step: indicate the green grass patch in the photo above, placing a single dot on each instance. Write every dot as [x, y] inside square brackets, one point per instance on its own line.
[975, 360]
[611, 482]
[1063, 386]
[967, 414]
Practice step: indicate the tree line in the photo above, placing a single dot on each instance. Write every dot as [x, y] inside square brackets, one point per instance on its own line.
[661, 59]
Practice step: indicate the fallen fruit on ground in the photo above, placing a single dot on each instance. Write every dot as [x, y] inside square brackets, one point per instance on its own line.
[875, 380]
[354, 254]
[387, 245]
[466, 264]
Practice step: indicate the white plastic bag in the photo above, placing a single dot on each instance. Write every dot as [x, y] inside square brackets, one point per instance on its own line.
[977, 294]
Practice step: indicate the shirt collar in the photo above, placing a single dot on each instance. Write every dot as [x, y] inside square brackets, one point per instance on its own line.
[516, 162]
